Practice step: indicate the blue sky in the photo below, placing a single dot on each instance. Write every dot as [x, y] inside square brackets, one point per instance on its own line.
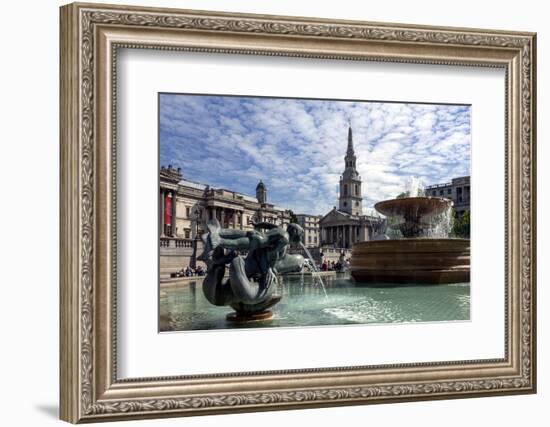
[297, 146]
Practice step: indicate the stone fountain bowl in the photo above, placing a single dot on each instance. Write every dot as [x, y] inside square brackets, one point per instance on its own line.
[419, 206]
[411, 261]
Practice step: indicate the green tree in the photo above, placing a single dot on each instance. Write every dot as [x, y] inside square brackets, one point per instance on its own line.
[403, 195]
[461, 226]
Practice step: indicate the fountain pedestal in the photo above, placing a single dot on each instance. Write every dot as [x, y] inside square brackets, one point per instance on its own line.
[250, 317]
[411, 261]
[251, 313]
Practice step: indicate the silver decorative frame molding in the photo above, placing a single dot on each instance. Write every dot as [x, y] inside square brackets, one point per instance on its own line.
[90, 36]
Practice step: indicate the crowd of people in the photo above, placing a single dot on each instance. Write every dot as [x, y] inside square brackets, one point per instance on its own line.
[190, 272]
[340, 265]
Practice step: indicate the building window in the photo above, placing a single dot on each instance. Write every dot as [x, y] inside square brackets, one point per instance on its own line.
[309, 239]
[449, 191]
[356, 190]
[187, 233]
[187, 211]
[441, 192]
[459, 194]
[433, 193]
[345, 204]
[345, 189]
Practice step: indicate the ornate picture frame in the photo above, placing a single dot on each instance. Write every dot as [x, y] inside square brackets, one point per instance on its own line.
[90, 37]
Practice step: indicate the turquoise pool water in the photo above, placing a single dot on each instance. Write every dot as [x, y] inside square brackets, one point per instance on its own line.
[183, 307]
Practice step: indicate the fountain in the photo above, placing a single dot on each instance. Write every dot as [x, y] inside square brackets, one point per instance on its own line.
[250, 288]
[419, 251]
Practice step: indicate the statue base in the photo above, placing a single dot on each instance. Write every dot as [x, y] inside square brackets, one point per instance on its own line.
[249, 317]
[253, 312]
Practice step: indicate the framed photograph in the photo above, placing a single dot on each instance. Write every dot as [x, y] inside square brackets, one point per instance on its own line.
[266, 213]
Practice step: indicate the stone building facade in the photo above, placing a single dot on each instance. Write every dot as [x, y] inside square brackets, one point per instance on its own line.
[310, 224]
[186, 206]
[458, 190]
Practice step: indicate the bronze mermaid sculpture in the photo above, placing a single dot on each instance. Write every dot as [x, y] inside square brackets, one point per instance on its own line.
[254, 258]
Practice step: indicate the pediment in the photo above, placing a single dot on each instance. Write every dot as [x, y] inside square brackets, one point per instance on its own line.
[334, 216]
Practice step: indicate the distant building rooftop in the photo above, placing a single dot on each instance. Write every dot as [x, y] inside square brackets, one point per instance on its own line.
[200, 186]
[192, 184]
[446, 184]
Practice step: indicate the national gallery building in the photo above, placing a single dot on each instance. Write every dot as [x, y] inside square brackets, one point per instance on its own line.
[186, 206]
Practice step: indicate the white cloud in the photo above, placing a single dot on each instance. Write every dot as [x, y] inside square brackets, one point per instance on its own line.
[297, 146]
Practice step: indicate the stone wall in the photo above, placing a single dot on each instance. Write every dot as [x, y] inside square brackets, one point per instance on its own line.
[176, 254]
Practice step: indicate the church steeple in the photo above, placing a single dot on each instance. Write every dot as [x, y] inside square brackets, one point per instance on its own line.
[350, 142]
[350, 200]
[350, 158]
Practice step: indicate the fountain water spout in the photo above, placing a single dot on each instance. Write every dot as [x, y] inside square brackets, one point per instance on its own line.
[314, 266]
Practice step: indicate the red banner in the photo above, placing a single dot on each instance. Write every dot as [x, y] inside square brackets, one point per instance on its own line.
[167, 210]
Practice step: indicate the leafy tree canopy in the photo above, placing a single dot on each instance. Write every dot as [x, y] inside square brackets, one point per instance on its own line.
[461, 226]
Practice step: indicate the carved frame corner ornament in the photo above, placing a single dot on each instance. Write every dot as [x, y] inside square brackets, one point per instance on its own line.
[90, 36]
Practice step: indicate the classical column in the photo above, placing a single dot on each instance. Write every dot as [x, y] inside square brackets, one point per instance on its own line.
[346, 236]
[351, 236]
[173, 225]
[161, 210]
[222, 217]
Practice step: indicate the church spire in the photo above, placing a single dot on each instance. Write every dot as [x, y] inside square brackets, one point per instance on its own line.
[350, 150]
[350, 158]
[350, 200]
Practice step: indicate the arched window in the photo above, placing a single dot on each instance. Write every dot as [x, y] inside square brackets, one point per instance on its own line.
[356, 190]
[345, 189]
